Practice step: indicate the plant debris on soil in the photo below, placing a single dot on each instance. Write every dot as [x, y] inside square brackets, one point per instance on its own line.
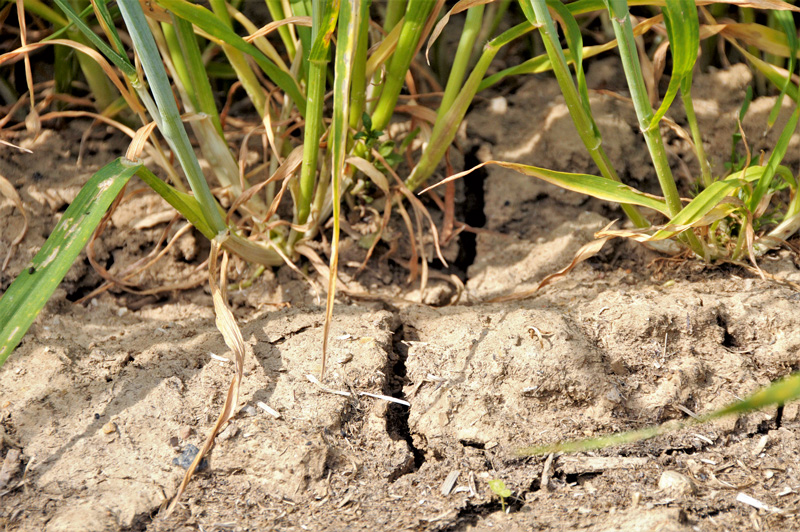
[101, 401]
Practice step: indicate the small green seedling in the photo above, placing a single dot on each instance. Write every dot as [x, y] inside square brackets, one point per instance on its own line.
[499, 488]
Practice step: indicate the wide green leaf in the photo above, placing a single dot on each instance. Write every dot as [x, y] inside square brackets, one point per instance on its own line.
[29, 292]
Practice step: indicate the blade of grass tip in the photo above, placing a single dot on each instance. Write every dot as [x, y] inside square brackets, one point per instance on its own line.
[170, 120]
[29, 292]
[347, 42]
[621, 22]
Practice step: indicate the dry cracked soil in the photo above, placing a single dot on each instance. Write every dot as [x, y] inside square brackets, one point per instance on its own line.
[101, 399]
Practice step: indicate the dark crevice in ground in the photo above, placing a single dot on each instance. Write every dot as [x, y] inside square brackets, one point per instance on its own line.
[396, 414]
[471, 212]
[729, 340]
[471, 514]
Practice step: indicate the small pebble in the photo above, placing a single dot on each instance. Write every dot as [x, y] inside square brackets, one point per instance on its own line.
[230, 432]
[187, 457]
[248, 410]
[175, 443]
[186, 432]
[109, 428]
[675, 484]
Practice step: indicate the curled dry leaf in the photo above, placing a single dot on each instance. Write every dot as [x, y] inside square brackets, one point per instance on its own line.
[226, 323]
[586, 251]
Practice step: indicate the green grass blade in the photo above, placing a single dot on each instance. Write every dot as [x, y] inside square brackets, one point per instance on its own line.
[709, 198]
[446, 126]
[411, 34]
[205, 20]
[576, 95]
[683, 30]
[574, 39]
[323, 27]
[775, 158]
[346, 45]
[769, 71]
[591, 185]
[167, 115]
[29, 292]
[185, 204]
[119, 60]
[786, 20]
[108, 21]
[778, 393]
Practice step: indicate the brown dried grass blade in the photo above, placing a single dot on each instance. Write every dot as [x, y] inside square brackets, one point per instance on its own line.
[226, 323]
[587, 251]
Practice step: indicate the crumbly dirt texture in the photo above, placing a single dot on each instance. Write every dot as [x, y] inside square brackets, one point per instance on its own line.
[100, 399]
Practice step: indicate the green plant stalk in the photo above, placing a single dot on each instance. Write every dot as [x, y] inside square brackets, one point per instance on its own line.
[170, 120]
[315, 103]
[394, 12]
[410, 35]
[237, 60]
[346, 46]
[358, 85]
[775, 158]
[212, 142]
[188, 61]
[472, 26]
[694, 127]
[276, 12]
[621, 22]
[580, 117]
[446, 126]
